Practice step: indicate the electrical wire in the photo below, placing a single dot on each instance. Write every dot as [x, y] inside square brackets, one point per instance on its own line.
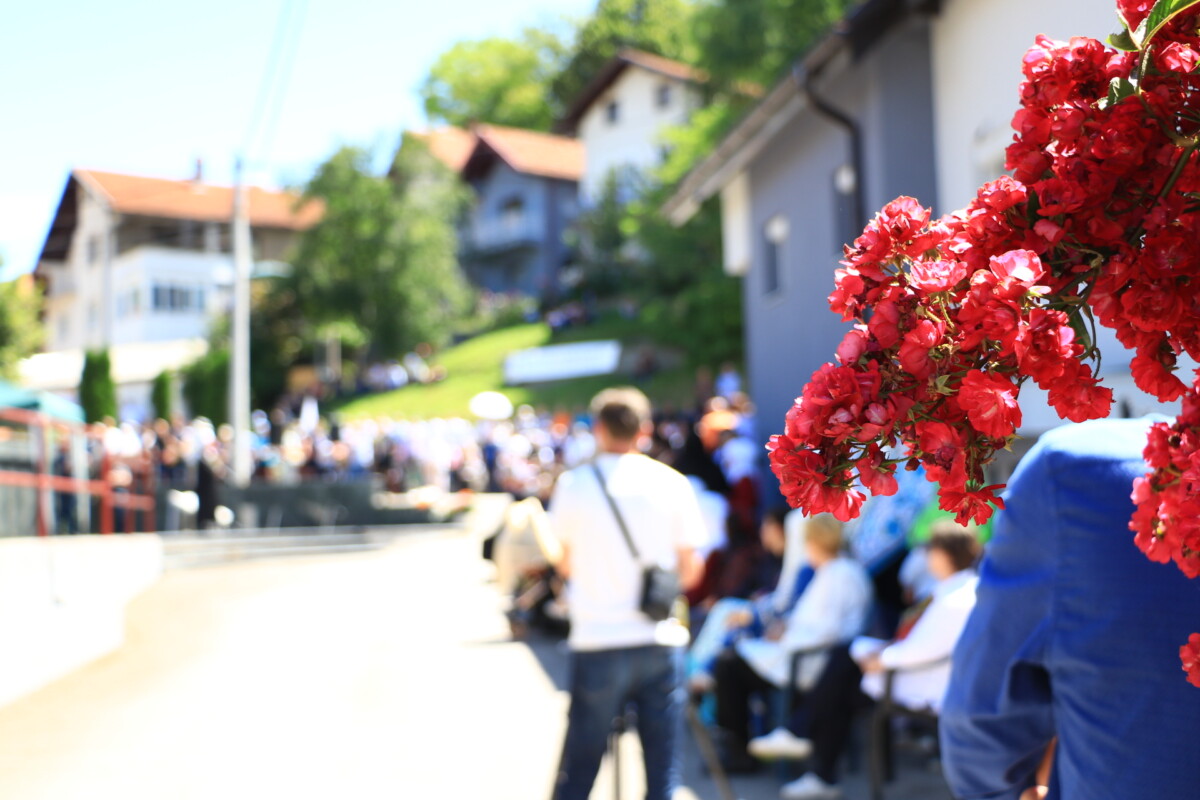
[268, 106]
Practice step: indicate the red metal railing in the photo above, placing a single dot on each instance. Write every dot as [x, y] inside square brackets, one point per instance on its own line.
[111, 497]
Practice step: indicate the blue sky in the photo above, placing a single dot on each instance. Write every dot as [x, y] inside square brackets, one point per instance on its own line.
[147, 87]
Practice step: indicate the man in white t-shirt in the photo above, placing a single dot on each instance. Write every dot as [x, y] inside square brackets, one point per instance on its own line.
[619, 656]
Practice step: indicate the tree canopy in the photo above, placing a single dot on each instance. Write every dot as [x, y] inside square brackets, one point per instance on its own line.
[380, 267]
[657, 26]
[97, 392]
[20, 327]
[755, 40]
[497, 80]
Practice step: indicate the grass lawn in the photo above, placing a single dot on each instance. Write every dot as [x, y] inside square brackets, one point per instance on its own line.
[477, 365]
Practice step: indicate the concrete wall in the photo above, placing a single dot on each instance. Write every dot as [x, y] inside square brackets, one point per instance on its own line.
[62, 602]
[635, 139]
[791, 332]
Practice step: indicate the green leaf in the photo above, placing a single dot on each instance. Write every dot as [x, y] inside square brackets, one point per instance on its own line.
[1032, 206]
[1122, 40]
[1162, 13]
[1082, 334]
[1118, 90]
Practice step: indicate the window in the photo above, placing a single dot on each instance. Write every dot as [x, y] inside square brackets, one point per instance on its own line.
[662, 97]
[511, 210]
[775, 233]
[177, 299]
[612, 112]
[93, 250]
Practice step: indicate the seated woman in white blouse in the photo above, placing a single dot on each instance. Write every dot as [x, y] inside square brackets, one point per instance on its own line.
[832, 610]
[920, 655]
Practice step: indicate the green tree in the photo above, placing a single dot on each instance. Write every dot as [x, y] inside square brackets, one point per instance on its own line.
[161, 394]
[382, 262]
[685, 293]
[657, 26]
[280, 338]
[755, 40]
[97, 392]
[20, 326]
[206, 385]
[607, 254]
[496, 80]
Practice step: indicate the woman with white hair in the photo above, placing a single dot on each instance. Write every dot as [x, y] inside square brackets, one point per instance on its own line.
[833, 609]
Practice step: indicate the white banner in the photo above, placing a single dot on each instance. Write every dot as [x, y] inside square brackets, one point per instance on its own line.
[561, 361]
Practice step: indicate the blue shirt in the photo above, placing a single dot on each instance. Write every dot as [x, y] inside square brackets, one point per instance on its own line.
[1075, 634]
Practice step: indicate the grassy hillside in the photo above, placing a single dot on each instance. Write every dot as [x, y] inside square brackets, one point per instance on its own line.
[477, 365]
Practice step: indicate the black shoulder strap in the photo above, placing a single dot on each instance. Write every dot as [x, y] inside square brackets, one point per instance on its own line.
[616, 512]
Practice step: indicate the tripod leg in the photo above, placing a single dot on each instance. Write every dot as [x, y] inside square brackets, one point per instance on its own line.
[708, 752]
[615, 749]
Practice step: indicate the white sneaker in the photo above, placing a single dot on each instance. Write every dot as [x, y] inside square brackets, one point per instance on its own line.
[780, 744]
[809, 787]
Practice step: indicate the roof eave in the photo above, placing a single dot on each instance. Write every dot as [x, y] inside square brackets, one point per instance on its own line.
[605, 78]
[854, 34]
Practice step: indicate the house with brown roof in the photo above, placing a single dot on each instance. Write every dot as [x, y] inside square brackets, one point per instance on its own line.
[140, 262]
[621, 115]
[526, 187]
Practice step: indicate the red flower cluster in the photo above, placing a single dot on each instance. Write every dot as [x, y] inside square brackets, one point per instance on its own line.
[1167, 519]
[1099, 221]
[1190, 655]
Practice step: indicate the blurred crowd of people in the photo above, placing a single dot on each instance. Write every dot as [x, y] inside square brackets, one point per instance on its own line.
[521, 455]
[889, 592]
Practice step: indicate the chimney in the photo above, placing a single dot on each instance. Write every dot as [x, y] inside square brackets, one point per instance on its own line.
[198, 176]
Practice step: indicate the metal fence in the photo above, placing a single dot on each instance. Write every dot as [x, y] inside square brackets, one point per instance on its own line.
[58, 477]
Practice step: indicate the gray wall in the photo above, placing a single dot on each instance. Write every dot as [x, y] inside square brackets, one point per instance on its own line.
[790, 333]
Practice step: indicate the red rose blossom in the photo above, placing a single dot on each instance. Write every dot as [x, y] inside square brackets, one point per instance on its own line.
[1189, 654]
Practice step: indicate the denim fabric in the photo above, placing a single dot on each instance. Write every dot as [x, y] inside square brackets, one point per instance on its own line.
[1075, 634]
[603, 684]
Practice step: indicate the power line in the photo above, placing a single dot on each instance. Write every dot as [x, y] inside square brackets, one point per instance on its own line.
[282, 57]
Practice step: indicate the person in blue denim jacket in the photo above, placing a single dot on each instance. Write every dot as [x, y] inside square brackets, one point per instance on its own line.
[1075, 637]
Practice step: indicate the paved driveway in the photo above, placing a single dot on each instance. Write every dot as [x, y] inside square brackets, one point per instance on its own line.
[385, 674]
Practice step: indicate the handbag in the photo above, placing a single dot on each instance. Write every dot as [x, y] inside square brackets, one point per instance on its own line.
[660, 587]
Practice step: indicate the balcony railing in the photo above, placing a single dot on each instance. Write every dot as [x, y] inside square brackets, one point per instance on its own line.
[500, 233]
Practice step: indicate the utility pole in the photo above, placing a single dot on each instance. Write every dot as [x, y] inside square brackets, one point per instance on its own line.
[239, 360]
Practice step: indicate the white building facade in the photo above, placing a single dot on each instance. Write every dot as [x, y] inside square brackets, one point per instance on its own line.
[144, 264]
[621, 116]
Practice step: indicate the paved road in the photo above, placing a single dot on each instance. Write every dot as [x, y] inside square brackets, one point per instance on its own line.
[386, 674]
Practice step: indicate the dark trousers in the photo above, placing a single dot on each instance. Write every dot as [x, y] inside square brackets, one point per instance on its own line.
[826, 715]
[603, 684]
[736, 683]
